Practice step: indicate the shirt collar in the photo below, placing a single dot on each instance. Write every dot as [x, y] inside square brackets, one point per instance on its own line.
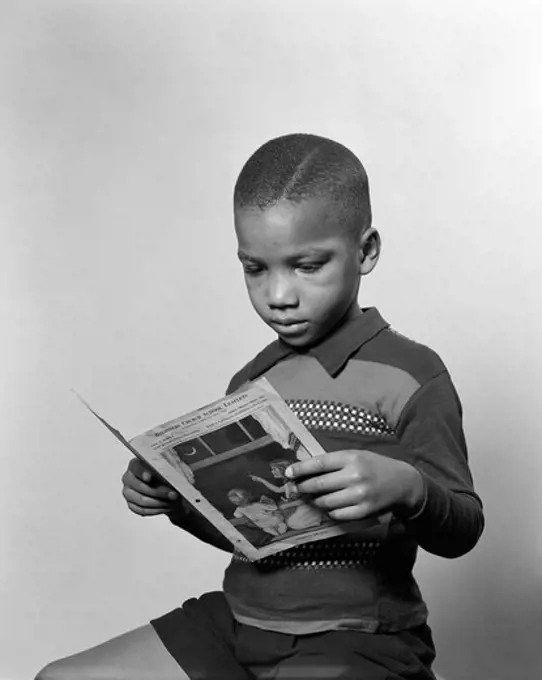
[333, 351]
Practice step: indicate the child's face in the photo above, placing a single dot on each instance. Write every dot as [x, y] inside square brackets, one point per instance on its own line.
[238, 497]
[277, 472]
[302, 269]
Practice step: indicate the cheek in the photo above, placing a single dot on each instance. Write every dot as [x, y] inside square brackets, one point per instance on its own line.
[329, 287]
[255, 294]
[333, 290]
[346, 278]
[252, 287]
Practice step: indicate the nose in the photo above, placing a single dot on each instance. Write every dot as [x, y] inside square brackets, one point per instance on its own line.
[281, 291]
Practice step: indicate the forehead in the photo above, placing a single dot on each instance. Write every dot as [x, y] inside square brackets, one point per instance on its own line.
[288, 225]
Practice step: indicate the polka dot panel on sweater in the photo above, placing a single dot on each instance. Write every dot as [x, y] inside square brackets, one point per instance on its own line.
[327, 554]
[332, 416]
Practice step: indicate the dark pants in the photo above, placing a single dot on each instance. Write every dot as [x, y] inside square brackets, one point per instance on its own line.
[207, 642]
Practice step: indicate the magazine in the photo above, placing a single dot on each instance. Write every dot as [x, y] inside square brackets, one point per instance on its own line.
[227, 459]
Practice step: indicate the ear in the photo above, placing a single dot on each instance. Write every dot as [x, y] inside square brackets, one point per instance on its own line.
[369, 250]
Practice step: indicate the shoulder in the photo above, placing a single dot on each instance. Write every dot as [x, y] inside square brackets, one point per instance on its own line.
[390, 371]
[253, 368]
[400, 352]
[240, 378]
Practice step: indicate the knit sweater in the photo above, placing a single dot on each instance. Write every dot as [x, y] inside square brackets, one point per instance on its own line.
[364, 387]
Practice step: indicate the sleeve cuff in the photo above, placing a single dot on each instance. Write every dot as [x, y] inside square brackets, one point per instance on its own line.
[423, 503]
[435, 503]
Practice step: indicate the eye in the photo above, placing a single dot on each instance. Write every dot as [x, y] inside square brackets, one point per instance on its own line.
[252, 269]
[309, 267]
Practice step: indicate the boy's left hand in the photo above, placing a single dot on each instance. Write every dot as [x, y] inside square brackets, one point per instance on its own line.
[353, 484]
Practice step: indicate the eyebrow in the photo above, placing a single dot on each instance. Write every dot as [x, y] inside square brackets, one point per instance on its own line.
[310, 252]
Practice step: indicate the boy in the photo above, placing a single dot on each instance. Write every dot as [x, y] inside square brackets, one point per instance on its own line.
[385, 411]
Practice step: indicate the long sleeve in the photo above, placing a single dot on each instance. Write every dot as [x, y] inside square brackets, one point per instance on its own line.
[198, 526]
[450, 519]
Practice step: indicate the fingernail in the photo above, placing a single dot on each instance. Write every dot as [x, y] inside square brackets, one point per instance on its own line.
[172, 495]
[146, 477]
[289, 472]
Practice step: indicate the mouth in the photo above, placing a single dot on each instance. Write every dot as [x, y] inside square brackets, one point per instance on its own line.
[289, 326]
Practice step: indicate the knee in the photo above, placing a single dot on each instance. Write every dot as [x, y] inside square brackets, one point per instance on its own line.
[55, 671]
[44, 673]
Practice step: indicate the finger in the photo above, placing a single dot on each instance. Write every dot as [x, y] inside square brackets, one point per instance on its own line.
[145, 512]
[141, 471]
[327, 462]
[352, 512]
[162, 491]
[324, 483]
[345, 498]
[159, 492]
[134, 497]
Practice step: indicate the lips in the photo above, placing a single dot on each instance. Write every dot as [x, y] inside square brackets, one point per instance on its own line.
[286, 322]
[289, 326]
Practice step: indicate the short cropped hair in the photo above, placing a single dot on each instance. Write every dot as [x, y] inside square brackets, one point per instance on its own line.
[300, 166]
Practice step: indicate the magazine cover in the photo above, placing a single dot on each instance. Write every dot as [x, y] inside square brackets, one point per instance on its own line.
[227, 459]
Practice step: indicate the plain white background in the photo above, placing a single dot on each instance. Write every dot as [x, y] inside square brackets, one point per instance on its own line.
[123, 125]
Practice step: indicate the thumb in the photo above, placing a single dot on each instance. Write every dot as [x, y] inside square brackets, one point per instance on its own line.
[141, 470]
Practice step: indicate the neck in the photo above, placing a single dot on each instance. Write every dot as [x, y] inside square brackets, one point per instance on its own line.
[352, 312]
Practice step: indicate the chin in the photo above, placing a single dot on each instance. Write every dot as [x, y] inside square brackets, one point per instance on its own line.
[300, 342]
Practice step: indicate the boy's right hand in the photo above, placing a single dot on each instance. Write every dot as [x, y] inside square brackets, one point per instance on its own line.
[145, 494]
